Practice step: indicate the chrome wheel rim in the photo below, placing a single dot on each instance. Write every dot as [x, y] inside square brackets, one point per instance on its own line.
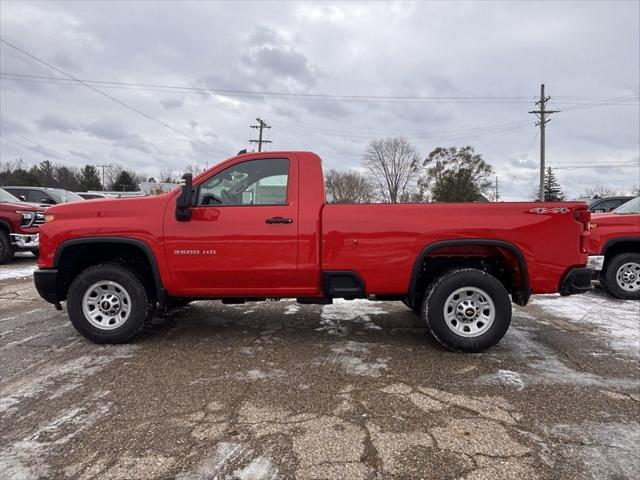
[469, 312]
[106, 305]
[628, 277]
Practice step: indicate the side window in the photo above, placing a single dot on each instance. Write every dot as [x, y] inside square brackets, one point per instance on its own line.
[609, 205]
[38, 196]
[255, 182]
[20, 193]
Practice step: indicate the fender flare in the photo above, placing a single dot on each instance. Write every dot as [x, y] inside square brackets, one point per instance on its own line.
[611, 243]
[521, 297]
[157, 280]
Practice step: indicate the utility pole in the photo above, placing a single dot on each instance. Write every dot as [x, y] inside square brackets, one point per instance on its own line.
[542, 121]
[261, 125]
[497, 195]
[103, 167]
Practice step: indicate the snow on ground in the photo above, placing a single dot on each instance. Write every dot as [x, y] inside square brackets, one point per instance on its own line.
[334, 316]
[351, 356]
[619, 320]
[16, 271]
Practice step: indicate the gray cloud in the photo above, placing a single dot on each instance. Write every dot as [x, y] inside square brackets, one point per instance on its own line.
[421, 48]
[52, 122]
[171, 103]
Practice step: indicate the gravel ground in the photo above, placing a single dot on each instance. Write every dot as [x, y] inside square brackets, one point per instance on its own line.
[347, 391]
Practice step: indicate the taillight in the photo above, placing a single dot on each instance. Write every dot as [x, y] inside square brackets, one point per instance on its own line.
[583, 215]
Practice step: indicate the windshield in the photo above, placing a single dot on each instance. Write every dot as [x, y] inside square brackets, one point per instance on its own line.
[7, 197]
[632, 206]
[63, 196]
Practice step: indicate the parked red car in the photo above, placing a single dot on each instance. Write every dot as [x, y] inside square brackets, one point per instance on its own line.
[19, 223]
[614, 250]
[257, 226]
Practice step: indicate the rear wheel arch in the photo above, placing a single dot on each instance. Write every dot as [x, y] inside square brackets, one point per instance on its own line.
[515, 279]
[70, 260]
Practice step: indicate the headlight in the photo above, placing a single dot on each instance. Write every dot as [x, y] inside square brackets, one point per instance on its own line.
[27, 218]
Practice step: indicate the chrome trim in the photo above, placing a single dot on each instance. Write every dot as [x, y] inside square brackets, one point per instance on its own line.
[596, 262]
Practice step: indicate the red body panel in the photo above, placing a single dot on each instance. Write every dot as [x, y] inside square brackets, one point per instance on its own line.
[238, 254]
[11, 219]
[612, 226]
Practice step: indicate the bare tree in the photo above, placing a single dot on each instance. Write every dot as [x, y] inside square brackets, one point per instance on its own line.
[597, 192]
[348, 187]
[167, 176]
[392, 165]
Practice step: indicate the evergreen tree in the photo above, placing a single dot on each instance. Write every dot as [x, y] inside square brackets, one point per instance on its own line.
[46, 174]
[89, 179]
[67, 178]
[456, 175]
[124, 182]
[552, 190]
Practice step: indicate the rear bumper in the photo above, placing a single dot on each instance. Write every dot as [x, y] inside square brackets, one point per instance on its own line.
[578, 280]
[596, 262]
[46, 281]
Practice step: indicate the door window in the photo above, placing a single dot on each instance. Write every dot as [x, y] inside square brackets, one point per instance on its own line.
[256, 182]
[38, 196]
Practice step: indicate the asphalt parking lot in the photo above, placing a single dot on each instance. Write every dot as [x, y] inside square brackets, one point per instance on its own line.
[347, 391]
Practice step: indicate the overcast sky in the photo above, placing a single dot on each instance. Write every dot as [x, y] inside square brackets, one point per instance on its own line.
[473, 69]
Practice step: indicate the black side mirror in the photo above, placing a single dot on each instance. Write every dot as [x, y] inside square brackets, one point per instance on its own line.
[184, 202]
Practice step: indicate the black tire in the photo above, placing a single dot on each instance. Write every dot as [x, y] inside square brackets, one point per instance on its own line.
[6, 249]
[437, 295]
[614, 284]
[142, 305]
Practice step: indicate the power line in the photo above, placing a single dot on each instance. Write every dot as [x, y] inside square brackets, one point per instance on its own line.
[42, 150]
[578, 100]
[100, 92]
[261, 125]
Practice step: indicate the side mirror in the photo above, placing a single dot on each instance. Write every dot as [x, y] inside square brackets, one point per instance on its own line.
[184, 202]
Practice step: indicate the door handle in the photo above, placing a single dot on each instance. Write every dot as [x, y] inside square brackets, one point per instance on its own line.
[279, 220]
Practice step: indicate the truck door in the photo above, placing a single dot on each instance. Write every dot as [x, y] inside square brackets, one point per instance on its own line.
[243, 233]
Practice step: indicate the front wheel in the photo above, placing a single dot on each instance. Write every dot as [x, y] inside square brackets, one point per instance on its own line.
[108, 304]
[467, 310]
[621, 276]
[6, 249]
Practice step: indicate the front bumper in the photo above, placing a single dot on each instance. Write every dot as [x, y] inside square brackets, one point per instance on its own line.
[596, 262]
[46, 281]
[578, 280]
[25, 242]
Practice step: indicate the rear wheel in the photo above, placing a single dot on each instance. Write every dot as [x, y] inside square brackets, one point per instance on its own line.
[109, 303]
[621, 277]
[6, 250]
[467, 310]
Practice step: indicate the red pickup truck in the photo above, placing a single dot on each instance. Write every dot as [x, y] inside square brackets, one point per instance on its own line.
[257, 226]
[614, 250]
[19, 223]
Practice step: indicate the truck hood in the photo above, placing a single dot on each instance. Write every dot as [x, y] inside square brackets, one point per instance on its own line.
[17, 205]
[615, 218]
[98, 205]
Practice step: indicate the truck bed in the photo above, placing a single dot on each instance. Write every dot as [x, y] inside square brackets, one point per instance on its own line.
[380, 242]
